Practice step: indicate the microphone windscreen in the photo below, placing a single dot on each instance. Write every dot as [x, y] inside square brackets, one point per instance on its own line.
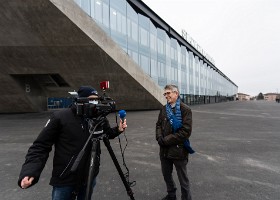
[122, 114]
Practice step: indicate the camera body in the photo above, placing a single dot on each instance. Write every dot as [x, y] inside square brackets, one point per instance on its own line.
[105, 106]
[99, 107]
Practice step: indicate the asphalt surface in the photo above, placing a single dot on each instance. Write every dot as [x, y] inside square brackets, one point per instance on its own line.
[237, 155]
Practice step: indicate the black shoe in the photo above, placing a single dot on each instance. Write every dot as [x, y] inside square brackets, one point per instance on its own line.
[169, 198]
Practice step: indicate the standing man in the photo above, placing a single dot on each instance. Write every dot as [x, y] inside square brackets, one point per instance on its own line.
[68, 132]
[173, 128]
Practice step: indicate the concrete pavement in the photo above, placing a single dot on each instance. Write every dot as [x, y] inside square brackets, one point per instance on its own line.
[237, 154]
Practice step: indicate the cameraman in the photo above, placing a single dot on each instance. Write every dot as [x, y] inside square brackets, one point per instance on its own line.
[68, 132]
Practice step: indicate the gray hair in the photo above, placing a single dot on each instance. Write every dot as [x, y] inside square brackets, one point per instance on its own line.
[173, 88]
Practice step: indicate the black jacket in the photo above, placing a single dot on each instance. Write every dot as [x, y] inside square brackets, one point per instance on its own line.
[68, 133]
[174, 148]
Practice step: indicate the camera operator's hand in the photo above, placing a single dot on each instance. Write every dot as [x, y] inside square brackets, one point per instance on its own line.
[122, 125]
[26, 182]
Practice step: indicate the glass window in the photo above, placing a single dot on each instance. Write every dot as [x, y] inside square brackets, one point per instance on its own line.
[143, 37]
[132, 23]
[144, 27]
[168, 58]
[154, 70]
[134, 31]
[105, 15]
[92, 5]
[119, 22]
[128, 27]
[124, 25]
[161, 41]
[113, 19]
[161, 68]
[144, 62]
[183, 57]
[172, 53]
[85, 4]
[98, 11]
[174, 74]
[153, 41]
[160, 46]
[167, 47]
[133, 55]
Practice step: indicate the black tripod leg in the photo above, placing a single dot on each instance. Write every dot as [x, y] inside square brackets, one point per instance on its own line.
[111, 152]
[91, 170]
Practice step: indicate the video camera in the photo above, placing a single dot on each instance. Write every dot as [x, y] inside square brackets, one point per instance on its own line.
[104, 106]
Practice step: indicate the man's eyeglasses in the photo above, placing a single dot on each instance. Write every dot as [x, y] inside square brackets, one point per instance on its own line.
[166, 93]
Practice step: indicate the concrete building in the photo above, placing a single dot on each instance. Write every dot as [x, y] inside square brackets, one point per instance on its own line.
[50, 47]
[271, 96]
[243, 97]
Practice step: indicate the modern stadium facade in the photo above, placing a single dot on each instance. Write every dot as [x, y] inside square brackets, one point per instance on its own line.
[51, 47]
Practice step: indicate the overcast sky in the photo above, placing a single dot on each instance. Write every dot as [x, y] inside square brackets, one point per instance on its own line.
[242, 36]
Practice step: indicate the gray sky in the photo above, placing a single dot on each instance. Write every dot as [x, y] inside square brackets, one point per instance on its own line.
[242, 36]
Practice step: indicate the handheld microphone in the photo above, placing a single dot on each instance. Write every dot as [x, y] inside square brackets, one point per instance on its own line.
[122, 114]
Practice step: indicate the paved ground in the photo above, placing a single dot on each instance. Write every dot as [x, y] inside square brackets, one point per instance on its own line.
[237, 156]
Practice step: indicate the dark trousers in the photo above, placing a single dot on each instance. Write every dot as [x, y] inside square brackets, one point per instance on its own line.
[181, 168]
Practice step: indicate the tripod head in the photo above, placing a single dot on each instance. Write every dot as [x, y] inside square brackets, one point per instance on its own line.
[95, 126]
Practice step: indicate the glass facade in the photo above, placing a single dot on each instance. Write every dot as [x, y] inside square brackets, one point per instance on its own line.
[160, 56]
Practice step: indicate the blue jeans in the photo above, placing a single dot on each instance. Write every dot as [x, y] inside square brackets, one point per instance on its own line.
[65, 192]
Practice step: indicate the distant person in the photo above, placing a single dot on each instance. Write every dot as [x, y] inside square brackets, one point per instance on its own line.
[68, 132]
[173, 129]
[278, 99]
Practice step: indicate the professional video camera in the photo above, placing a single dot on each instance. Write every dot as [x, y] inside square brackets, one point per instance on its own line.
[102, 106]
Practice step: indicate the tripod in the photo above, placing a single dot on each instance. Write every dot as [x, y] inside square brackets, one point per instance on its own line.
[94, 138]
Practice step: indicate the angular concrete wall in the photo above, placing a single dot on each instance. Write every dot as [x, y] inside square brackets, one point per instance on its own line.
[57, 37]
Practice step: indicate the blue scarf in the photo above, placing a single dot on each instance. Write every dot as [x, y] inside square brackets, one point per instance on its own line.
[176, 122]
